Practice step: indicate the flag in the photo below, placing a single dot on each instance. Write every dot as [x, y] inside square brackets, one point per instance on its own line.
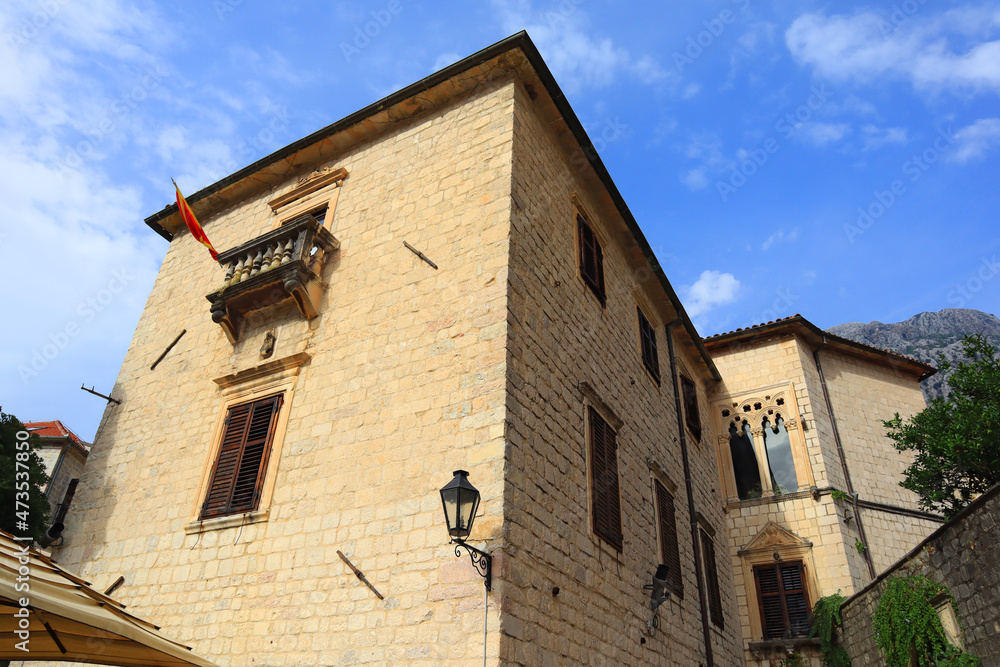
[187, 215]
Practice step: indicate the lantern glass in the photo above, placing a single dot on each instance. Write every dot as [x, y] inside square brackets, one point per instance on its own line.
[460, 500]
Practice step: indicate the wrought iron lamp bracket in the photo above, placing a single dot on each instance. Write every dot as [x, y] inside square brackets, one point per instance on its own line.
[481, 560]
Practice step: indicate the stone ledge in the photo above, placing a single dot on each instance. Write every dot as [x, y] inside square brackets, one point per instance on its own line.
[787, 646]
[231, 521]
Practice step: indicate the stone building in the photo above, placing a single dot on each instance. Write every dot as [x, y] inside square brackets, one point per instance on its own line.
[447, 279]
[810, 479]
[64, 455]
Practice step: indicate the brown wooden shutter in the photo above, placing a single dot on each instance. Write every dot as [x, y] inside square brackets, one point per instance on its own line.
[648, 338]
[604, 480]
[669, 550]
[691, 416]
[781, 595]
[591, 259]
[712, 580]
[239, 469]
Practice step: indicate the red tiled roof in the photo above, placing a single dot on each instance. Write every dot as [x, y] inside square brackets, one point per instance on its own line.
[55, 429]
[797, 318]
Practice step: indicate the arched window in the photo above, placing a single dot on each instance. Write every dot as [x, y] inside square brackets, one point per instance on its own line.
[779, 456]
[745, 466]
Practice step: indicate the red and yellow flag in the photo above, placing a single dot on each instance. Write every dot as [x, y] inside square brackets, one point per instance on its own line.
[192, 222]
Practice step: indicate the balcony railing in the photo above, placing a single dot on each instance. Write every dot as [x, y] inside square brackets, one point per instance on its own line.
[284, 263]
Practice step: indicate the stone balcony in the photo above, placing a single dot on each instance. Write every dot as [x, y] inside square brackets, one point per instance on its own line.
[285, 263]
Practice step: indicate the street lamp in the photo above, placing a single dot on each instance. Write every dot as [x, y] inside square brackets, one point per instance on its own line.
[461, 500]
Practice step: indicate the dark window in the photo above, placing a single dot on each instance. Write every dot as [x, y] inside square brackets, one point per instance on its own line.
[647, 335]
[781, 594]
[604, 481]
[691, 416]
[238, 474]
[779, 456]
[712, 579]
[745, 468]
[591, 259]
[669, 552]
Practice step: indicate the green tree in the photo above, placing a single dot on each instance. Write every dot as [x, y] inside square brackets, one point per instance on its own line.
[956, 439]
[22, 479]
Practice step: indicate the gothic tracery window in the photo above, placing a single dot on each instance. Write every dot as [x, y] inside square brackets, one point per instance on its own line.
[745, 466]
[779, 456]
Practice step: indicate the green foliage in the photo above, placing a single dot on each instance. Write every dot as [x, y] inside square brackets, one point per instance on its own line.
[956, 440]
[906, 624]
[793, 660]
[860, 546]
[839, 495]
[24, 483]
[825, 623]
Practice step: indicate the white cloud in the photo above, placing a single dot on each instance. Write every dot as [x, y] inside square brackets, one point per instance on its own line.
[822, 134]
[691, 90]
[779, 237]
[577, 57]
[975, 140]
[956, 51]
[876, 137]
[710, 290]
[695, 179]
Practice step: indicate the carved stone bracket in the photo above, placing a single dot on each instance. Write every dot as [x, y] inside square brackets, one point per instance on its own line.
[284, 263]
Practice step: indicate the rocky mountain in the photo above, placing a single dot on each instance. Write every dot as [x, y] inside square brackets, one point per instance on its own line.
[925, 336]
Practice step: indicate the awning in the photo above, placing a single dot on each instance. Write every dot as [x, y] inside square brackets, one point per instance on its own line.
[67, 620]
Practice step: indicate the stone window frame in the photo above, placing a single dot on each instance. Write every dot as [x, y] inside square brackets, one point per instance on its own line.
[706, 425]
[319, 189]
[784, 546]
[275, 377]
[592, 401]
[767, 397]
[580, 212]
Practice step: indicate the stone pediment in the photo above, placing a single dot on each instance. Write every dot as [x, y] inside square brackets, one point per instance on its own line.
[772, 536]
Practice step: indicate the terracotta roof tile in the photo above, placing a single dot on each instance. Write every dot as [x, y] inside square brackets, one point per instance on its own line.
[55, 429]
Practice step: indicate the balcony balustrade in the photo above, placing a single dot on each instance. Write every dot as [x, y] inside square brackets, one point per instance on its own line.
[284, 263]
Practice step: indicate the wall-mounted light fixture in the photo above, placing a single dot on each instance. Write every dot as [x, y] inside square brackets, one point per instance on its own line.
[461, 500]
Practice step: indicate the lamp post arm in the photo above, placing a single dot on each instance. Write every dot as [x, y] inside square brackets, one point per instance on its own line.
[481, 560]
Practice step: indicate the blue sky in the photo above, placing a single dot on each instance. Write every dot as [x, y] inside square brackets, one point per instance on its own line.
[837, 160]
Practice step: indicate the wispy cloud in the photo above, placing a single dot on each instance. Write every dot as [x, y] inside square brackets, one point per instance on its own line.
[821, 134]
[712, 289]
[975, 140]
[876, 137]
[957, 51]
[779, 237]
[578, 57]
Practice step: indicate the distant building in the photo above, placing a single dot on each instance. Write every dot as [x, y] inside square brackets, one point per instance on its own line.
[64, 455]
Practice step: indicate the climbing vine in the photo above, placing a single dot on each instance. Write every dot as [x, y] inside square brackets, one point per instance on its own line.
[826, 622]
[793, 660]
[906, 624]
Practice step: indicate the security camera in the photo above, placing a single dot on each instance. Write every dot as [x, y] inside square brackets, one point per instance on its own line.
[658, 593]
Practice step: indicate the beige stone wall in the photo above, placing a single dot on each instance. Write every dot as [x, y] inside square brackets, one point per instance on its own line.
[561, 336]
[405, 384]
[891, 536]
[72, 465]
[863, 395]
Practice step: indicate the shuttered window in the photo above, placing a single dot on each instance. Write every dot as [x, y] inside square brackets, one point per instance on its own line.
[784, 605]
[712, 580]
[238, 474]
[604, 480]
[691, 416]
[647, 335]
[669, 551]
[591, 259]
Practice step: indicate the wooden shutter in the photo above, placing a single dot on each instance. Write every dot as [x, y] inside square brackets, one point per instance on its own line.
[604, 480]
[691, 416]
[781, 596]
[669, 550]
[648, 337]
[712, 580]
[591, 259]
[239, 469]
